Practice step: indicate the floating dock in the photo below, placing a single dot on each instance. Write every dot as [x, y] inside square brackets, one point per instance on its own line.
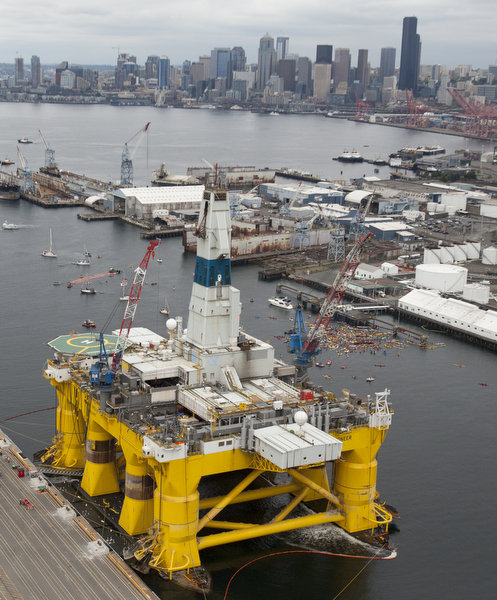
[49, 550]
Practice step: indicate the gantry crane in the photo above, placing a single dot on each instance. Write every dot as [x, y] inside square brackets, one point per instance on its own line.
[50, 164]
[101, 372]
[26, 175]
[311, 346]
[127, 157]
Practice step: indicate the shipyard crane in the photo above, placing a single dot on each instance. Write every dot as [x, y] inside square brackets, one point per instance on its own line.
[358, 224]
[50, 163]
[100, 371]
[27, 184]
[127, 157]
[311, 345]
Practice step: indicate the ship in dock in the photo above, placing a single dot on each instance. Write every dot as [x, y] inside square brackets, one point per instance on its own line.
[154, 416]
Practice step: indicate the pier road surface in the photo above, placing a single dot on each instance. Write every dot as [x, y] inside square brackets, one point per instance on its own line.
[48, 552]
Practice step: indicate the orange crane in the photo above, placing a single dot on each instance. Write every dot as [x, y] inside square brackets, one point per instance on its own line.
[481, 119]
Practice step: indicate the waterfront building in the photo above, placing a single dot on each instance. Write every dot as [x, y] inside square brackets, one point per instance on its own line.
[163, 74]
[324, 54]
[341, 67]
[36, 77]
[266, 61]
[387, 63]
[220, 65]
[282, 43]
[68, 80]
[150, 202]
[410, 55]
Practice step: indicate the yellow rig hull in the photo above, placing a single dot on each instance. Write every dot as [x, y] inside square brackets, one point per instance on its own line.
[162, 501]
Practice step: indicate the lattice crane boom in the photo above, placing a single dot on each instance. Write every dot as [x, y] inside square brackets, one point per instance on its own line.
[131, 306]
[334, 297]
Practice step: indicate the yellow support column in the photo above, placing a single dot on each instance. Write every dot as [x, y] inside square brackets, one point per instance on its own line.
[69, 450]
[355, 478]
[176, 517]
[100, 475]
[137, 513]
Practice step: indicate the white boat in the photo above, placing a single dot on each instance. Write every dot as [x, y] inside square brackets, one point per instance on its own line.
[350, 156]
[86, 289]
[24, 140]
[10, 226]
[51, 252]
[370, 379]
[85, 261]
[280, 302]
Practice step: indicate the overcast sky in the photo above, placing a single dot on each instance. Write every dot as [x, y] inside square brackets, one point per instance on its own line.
[452, 32]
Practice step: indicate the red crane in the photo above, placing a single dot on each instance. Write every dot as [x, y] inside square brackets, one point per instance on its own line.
[361, 108]
[129, 313]
[481, 119]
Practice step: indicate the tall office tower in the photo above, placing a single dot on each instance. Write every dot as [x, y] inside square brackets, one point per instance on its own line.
[205, 60]
[152, 66]
[410, 55]
[266, 62]
[304, 76]
[324, 55]
[282, 43]
[163, 72]
[387, 63]
[238, 59]
[341, 67]
[35, 71]
[220, 62]
[322, 81]
[58, 70]
[18, 69]
[362, 72]
[286, 69]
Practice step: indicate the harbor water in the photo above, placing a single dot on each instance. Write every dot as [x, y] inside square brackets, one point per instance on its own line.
[437, 464]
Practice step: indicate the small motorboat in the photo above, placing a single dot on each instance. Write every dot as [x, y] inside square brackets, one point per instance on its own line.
[280, 302]
[7, 161]
[370, 379]
[328, 362]
[56, 283]
[24, 140]
[159, 260]
[88, 323]
[484, 384]
[318, 364]
[10, 226]
[70, 285]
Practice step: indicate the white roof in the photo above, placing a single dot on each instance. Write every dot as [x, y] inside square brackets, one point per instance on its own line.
[357, 196]
[368, 268]
[392, 226]
[461, 314]
[162, 194]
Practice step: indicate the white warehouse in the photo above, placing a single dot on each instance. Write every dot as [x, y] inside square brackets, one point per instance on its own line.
[144, 202]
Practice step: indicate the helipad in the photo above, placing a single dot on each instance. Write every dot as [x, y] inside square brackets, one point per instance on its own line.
[87, 344]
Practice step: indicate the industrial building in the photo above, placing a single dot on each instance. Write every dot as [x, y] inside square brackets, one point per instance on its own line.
[152, 202]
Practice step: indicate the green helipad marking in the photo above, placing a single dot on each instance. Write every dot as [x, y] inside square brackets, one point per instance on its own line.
[82, 343]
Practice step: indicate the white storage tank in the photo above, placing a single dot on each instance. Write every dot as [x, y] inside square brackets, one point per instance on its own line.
[489, 256]
[446, 278]
[446, 254]
[431, 256]
[459, 252]
[473, 250]
[476, 292]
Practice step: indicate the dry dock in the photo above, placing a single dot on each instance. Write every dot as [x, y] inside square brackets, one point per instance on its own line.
[48, 551]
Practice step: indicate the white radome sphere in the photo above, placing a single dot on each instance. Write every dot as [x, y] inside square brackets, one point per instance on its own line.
[300, 417]
[171, 324]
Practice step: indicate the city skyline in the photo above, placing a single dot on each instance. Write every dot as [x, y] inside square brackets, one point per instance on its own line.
[90, 33]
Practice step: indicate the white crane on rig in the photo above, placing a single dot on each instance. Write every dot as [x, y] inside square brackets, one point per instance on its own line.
[127, 157]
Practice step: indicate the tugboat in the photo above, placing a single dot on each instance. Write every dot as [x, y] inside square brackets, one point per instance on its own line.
[88, 323]
[24, 140]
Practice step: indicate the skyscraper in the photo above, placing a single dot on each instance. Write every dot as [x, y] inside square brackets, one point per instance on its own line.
[35, 71]
[266, 61]
[238, 59]
[18, 69]
[163, 72]
[387, 63]
[410, 55]
[304, 76]
[286, 69]
[324, 55]
[362, 73]
[152, 66]
[282, 43]
[341, 67]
